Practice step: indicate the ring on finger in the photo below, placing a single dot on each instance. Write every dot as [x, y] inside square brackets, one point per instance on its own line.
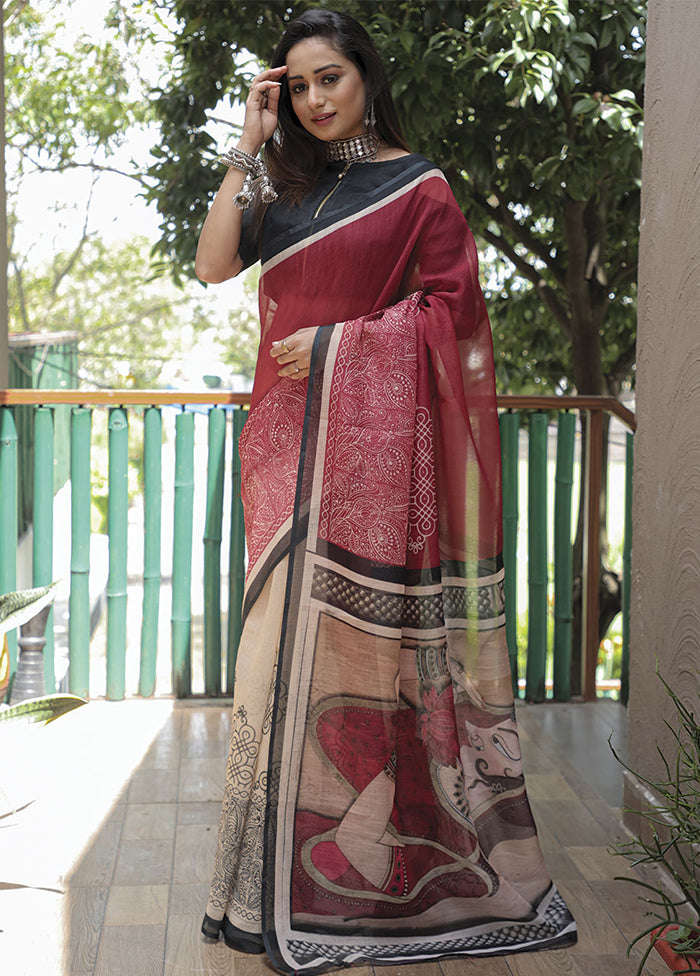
[296, 367]
[286, 347]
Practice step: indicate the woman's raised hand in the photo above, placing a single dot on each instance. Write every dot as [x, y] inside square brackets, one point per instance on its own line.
[293, 354]
[261, 109]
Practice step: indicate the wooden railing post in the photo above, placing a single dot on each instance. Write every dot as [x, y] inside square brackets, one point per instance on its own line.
[563, 557]
[591, 551]
[627, 571]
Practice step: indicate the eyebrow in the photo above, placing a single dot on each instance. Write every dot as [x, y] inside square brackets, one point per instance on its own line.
[317, 71]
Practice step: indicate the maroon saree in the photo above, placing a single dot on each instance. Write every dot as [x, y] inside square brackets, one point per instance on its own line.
[375, 808]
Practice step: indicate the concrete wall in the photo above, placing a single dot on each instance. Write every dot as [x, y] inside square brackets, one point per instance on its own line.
[666, 534]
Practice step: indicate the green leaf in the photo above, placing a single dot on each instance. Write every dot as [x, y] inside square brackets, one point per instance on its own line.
[19, 607]
[45, 710]
[585, 106]
[407, 40]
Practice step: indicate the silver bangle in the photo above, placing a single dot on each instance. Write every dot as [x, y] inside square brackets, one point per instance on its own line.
[256, 177]
[235, 158]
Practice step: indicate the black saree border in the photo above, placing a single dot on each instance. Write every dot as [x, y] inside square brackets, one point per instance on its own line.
[274, 557]
[551, 928]
[369, 192]
[297, 537]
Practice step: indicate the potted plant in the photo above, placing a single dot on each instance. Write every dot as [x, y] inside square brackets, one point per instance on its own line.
[669, 839]
[678, 947]
[15, 609]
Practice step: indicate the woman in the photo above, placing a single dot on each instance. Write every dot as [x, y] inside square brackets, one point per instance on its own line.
[374, 808]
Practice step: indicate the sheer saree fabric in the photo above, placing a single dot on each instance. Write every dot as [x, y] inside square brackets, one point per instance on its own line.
[375, 807]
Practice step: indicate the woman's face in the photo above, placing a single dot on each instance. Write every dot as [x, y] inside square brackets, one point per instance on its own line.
[327, 90]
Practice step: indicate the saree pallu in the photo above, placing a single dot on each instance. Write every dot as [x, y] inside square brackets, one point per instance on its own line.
[375, 807]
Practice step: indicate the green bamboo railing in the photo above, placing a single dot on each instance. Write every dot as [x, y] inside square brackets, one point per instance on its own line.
[236, 568]
[181, 617]
[117, 532]
[216, 446]
[79, 600]
[152, 492]
[219, 667]
[8, 516]
[42, 536]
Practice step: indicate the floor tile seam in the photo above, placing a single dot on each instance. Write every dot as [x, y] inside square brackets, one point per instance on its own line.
[603, 907]
[539, 811]
[175, 847]
[581, 787]
[612, 818]
[109, 886]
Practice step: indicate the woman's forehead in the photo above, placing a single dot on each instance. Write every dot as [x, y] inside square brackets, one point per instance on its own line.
[314, 54]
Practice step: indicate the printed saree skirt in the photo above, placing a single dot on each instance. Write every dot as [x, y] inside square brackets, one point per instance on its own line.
[375, 808]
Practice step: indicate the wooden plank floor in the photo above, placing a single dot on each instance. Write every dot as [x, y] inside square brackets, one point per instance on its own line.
[104, 866]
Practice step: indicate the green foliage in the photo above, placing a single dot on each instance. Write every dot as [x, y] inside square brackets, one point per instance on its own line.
[20, 606]
[130, 324]
[72, 103]
[44, 710]
[16, 609]
[67, 97]
[241, 350]
[533, 111]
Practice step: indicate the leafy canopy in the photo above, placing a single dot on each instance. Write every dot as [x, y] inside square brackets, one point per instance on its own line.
[68, 99]
[79, 102]
[532, 108]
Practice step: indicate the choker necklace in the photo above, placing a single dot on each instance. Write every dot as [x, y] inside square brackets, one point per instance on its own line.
[353, 150]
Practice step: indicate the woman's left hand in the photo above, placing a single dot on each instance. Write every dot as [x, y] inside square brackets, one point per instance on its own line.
[293, 354]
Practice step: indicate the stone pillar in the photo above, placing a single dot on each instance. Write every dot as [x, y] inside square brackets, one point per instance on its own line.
[665, 625]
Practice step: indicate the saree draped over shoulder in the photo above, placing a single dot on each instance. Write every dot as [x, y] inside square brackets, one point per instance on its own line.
[375, 808]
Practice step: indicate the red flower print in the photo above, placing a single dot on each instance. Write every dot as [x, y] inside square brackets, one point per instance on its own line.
[437, 728]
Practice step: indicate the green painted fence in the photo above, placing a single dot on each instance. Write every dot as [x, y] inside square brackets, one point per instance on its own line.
[186, 465]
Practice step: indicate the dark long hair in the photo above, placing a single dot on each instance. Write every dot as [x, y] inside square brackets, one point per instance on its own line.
[294, 157]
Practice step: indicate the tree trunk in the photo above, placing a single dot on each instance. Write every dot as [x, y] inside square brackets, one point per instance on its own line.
[588, 298]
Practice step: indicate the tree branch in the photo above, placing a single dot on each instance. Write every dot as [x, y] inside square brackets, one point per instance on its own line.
[134, 319]
[17, 271]
[506, 217]
[622, 275]
[60, 273]
[527, 271]
[14, 14]
[95, 167]
[228, 122]
[624, 363]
